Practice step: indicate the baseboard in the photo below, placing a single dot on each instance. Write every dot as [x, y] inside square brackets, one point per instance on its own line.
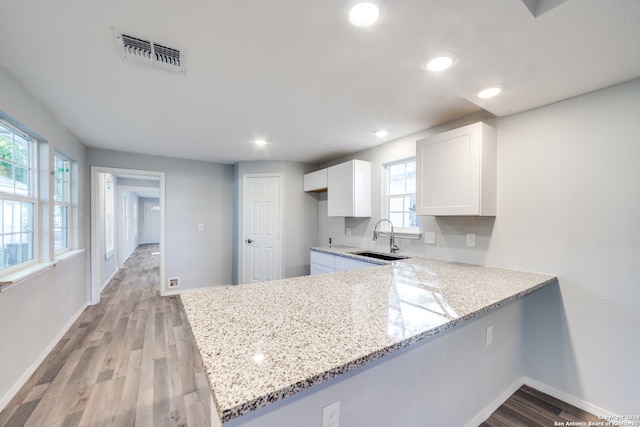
[485, 413]
[27, 374]
[565, 397]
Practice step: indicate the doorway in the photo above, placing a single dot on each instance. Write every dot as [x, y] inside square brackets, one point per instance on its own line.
[107, 257]
[262, 228]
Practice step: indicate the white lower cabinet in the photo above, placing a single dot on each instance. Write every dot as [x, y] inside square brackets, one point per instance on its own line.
[320, 269]
[322, 262]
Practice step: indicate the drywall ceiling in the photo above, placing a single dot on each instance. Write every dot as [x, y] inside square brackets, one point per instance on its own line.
[296, 73]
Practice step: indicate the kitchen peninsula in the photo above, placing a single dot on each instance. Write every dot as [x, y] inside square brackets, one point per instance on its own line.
[277, 352]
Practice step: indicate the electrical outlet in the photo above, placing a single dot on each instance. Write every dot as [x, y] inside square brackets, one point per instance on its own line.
[331, 415]
[471, 239]
[489, 335]
[429, 238]
[201, 227]
[348, 232]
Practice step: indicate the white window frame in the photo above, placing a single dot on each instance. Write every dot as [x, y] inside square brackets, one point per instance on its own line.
[66, 203]
[32, 198]
[406, 232]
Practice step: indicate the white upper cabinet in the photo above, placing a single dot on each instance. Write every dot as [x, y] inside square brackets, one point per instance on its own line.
[349, 189]
[456, 172]
[316, 181]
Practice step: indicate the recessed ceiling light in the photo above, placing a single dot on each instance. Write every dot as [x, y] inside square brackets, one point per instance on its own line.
[364, 14]
[490, 91]
[381, 133]
[441, 62]
[260, 142]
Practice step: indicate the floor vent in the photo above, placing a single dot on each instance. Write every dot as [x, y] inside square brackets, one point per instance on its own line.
[174, 282]
[145, 52]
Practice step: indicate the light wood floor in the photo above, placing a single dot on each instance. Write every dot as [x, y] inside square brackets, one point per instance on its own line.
[129, 360]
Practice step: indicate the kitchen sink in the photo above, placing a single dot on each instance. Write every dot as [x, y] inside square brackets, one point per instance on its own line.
[378, 255]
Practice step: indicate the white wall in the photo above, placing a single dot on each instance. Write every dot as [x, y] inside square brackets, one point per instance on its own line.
[569, 205]
[108, 266]
[195, 192]
[35, 313]
[128, 231]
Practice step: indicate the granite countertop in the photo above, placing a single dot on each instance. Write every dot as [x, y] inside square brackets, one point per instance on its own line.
[263, 342]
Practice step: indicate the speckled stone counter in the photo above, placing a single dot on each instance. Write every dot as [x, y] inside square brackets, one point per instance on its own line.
[263, 342]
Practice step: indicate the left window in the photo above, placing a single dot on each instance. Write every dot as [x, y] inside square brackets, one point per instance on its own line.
[18, 199]
[62, 202]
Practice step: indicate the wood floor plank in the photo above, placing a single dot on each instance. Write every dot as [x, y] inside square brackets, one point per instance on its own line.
[82, 397]
[128, 402]
[161, 408]
[72, 419]
[22, 414]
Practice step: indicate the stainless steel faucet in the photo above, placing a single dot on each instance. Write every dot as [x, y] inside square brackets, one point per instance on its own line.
[392, 245]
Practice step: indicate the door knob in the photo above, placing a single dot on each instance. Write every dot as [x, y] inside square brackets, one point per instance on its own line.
[249, 241]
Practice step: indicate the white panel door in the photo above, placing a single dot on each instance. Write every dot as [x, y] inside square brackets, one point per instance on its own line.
[262, 259]
[151, 223]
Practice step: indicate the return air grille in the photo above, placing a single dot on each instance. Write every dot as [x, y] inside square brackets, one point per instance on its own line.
[145, 52]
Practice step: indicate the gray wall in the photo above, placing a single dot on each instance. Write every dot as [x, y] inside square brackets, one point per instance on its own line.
[130, 219]
[568, 204]
[300, 216]
[36, 312]
[196, 192]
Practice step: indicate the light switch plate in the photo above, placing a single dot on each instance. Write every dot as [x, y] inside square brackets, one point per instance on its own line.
[471, 239]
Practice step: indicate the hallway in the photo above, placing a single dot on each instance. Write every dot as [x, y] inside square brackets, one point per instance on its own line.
[129, 360]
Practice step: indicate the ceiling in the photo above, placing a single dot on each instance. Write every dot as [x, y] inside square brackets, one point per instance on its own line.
[297, 74]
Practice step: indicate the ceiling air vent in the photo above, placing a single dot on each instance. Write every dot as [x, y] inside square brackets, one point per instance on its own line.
[145, 52]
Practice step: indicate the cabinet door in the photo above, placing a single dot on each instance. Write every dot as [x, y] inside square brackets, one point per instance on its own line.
[316, 181]
[321, 263]
[340, 190]
[349, 189]
[320, 269]
[322, 258]
[455, 171]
